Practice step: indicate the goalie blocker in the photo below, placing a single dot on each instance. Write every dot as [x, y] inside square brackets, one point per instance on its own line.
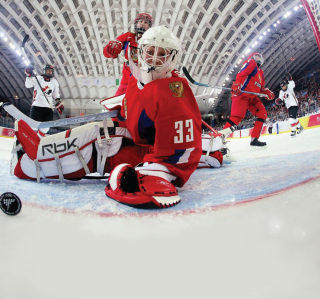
[104, 147]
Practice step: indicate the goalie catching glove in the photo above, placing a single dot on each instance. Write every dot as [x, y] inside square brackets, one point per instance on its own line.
[146, 186]
[29, 71]
[59, 106]
[268, 92]
[112, 49]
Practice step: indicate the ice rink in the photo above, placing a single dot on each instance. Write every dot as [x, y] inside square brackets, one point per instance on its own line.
[249, 230]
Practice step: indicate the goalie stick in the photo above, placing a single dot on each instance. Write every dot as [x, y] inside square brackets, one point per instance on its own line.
[17, 114]
[26, 38]
[185, 71]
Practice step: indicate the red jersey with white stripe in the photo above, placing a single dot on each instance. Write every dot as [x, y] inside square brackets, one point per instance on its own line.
[165, 116]
[251, 77]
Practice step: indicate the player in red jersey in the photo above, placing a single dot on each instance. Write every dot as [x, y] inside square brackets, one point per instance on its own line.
[250, 78]
[142, 22]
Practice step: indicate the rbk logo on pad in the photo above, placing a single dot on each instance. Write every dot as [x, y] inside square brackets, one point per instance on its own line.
[54, 148]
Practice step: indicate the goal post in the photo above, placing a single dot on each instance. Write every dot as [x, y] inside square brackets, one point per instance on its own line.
[312, 8]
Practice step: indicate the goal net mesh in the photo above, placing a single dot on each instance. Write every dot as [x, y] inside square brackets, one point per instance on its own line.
[312, 8]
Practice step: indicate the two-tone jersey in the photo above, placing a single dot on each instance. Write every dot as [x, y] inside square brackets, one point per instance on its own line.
[251, 77]
[289, 96]
[49, 88]
[164, 116]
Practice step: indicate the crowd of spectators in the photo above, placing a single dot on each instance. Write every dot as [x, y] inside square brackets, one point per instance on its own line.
[6, 120]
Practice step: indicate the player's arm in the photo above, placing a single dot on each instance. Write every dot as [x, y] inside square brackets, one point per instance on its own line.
[29, 76]
[56, 96]
[291, 84]
[246, 70]
[114, 47]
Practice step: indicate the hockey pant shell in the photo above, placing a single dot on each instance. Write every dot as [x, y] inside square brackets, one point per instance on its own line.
[240, 105]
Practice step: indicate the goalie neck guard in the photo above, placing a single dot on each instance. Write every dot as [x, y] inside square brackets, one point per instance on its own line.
[159, 51]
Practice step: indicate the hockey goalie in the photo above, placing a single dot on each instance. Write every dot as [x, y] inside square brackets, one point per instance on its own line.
[153, 146]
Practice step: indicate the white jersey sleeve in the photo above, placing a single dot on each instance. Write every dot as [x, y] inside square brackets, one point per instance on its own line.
[56, 91]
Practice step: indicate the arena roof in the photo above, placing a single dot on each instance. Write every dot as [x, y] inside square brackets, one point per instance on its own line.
[216, 36]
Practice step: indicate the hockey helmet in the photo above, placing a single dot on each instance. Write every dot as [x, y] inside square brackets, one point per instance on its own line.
[156, 39]
[159, 50]
[48, 67]
[284, 84]
[143, 16]
[257, 57]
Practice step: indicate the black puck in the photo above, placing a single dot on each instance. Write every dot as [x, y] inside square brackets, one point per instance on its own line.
[10, 203]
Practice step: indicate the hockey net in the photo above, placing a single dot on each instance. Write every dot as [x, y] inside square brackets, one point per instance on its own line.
[312, 8]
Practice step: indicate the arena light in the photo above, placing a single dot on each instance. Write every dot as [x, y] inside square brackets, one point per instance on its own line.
[296, 8]
[12, 46]
[278, 22]
[18, 53]
[275, 25]
[260, 37]
[268, 30]
[264, 33]
[5, 39]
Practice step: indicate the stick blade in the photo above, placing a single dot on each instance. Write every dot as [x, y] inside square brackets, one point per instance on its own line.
[26, 38]
[185, 71]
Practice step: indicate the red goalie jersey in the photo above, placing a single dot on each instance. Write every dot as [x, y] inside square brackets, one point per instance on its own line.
[174, 139]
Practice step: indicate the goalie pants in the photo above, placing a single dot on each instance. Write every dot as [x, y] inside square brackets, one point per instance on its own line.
[240, 105]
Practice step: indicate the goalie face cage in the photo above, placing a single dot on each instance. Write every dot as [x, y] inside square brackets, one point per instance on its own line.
[312, 8]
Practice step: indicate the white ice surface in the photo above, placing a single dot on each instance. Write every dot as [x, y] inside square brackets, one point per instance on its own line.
[267, 248]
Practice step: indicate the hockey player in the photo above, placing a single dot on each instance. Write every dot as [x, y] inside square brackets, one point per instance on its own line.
[160, 132]
[269, 125]
[288, 96]
[46, 93]
[250, 78]
[142, 22]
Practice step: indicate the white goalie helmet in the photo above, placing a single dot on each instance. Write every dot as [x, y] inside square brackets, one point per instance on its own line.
[159, 51]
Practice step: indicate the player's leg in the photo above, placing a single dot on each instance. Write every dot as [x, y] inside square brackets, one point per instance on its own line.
[239, 108]
[294, 122]
[257, 109]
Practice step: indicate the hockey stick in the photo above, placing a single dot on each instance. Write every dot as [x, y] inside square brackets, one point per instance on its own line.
[26, 38]
[17, 114]
[213, 86]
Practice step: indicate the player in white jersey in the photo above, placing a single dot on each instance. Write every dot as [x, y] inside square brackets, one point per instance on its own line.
[46, 94]
[288, 96]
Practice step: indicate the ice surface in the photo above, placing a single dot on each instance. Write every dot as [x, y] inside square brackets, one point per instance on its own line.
[247, 230]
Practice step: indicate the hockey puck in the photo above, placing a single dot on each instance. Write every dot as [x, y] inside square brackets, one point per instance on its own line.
[10, 203]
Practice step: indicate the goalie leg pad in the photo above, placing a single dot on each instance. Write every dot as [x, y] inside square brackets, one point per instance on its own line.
[27, 138]
[131, 187]
[213, 160]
